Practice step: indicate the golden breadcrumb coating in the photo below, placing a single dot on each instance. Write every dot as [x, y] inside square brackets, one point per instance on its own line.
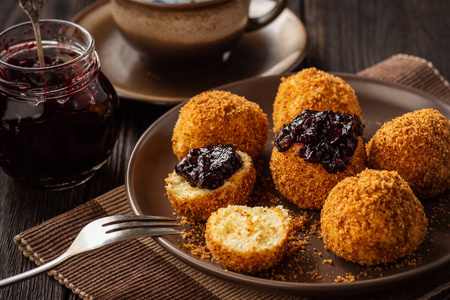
[219, 117]
[373, 218]
[307, 184]
[198, 203]
[248, 239]
[417, 146]
[312, 89]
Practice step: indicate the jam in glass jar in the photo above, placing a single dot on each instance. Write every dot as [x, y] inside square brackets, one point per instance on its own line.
[58, 121]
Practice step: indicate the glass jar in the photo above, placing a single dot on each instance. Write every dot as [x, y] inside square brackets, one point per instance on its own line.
[58, 122]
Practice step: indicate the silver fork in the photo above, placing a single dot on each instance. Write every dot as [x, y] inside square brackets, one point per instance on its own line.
[103, 232]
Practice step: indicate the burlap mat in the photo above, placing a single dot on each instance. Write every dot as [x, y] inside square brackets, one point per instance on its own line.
[140, 269]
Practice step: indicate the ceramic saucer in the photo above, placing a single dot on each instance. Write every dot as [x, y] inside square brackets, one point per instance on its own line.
[277, 48]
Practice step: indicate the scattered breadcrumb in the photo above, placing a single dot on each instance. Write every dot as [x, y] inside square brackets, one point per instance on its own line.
[301, 259]
[297, 263]
[348, 278]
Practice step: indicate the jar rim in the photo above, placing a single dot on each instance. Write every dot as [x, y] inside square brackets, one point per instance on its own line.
[89, 47]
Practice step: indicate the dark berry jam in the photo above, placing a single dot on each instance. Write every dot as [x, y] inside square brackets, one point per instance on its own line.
[52, 58]
[210, 166]
[51, 135]
[326, 137]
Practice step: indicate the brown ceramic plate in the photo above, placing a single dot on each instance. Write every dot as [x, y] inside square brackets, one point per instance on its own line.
[152, 160]
[274, 49]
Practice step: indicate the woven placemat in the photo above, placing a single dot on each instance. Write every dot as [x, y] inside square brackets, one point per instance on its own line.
[141, 269]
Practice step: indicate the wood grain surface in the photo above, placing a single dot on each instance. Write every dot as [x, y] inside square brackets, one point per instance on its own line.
[344, 36]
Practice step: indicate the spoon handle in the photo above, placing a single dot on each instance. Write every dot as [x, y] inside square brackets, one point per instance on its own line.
[39, 48]
[33, 9]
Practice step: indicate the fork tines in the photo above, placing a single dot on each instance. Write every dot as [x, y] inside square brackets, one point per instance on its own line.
[116, 223]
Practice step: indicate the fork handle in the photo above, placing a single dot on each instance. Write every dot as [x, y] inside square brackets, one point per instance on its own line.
[33, 272]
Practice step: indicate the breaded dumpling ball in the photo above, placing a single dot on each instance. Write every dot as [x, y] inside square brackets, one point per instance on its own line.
[373, 218]
[312, 89]
[417, 146]
[219, 117]
[308, 184]
[197, 203]
[248, 239]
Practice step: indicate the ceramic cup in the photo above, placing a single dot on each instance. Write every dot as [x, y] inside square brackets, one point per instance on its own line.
[186, 32]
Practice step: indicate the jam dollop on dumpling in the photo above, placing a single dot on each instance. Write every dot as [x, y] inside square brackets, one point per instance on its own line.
[314, 152]
[209, 178]
[312, 89]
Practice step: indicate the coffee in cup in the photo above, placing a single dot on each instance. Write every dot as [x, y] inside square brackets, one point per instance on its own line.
[186, 32]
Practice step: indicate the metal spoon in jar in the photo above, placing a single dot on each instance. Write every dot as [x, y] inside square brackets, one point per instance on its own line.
[33, 8]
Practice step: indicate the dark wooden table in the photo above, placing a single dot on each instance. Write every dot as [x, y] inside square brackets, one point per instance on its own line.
[344, 36]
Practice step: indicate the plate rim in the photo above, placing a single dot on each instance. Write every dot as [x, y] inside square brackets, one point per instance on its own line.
[165, 100]
[306, 289]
